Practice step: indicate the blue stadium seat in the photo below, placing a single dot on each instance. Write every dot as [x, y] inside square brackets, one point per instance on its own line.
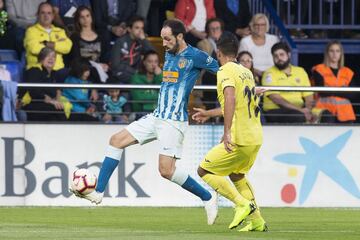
[15, 69]
[8, 55]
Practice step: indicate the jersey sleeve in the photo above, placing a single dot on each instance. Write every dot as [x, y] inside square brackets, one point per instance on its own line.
[203, 61]
[225, 79]
[306, 83]
[268, 79]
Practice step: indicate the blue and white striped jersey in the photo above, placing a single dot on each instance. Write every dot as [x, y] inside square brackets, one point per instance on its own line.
[180, 73]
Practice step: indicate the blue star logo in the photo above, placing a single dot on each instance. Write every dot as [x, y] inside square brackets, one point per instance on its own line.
[321, 159]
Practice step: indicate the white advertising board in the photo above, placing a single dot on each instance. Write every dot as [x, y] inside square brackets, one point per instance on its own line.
[306, 166]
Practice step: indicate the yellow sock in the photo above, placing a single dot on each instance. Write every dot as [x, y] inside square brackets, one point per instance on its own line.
[244, 188]
[225, 188]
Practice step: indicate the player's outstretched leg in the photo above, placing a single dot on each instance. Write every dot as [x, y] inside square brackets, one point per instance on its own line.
[254, 222]
[112, 157]
[167, 170]
[243, 207]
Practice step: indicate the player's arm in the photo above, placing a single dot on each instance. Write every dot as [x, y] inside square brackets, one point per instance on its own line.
[229, 109]
[203, 115]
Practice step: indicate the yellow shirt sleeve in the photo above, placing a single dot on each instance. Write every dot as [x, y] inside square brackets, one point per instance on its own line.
[269, 79]
[225, 79]
[305, 82]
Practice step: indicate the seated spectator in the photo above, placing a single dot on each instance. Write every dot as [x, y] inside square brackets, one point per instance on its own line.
[246, 59]
[259, 43]
[111, 17]
[333, 73]
[22, 14]
[64, 12]
[82, 109]
[145, 101]
[286, 107]
[127, 52]
[194, 14]
[43, 104]
[214, 29]
[236, 15]
[113, 106]
[88, 44]
[45, 34]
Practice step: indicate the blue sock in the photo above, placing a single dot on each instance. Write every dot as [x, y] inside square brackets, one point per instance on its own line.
[194, 187]
[107, 168]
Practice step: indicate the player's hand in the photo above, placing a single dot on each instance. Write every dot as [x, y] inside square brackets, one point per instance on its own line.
[260, 91]
[200, 116]
[228, 144]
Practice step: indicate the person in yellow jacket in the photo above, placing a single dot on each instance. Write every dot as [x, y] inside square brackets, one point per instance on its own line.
[45, 34]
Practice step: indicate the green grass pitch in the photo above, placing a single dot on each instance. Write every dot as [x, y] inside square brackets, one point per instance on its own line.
[172, 223]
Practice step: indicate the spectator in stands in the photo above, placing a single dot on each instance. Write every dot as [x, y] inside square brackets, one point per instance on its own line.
[113, 106]
[88, 44]
[45, 34]
[246, 59]
[111, 16]
[149, 73]
[127, 52]
[22, 13]
[214, 29]
[65, 10]
[194, 13]
[333, 73]
[259, 43]
[236, 15]
[43, 104]
[82, 109]
[286, 107]
[7, 30]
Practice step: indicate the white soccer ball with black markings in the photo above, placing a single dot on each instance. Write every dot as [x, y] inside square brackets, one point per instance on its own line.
[83, 181]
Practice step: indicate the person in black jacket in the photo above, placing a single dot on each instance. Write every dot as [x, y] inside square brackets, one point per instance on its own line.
[45, 104]
[235, 14]
[127, 52]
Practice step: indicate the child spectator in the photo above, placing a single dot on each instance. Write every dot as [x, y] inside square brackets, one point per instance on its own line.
[82, 109]
[113, 104]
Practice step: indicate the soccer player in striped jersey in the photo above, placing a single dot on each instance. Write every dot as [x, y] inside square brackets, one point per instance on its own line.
[242, 138]
[169, 121]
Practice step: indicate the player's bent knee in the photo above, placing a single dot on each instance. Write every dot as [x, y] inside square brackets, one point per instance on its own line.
[166, 173]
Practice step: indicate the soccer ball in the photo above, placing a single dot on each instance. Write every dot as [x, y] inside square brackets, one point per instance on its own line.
[83, 181]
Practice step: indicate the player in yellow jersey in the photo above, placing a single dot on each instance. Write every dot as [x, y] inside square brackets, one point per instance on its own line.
[242, 138]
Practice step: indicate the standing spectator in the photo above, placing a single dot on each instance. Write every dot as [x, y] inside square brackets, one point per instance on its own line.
[236, 15]
[65, 10]
[259, 43]
[88, 44]
[82, 109]
[194, 14]
[286, 107]
[149, 73]
[43, 104]
[111, 16]
[333, 73]
[44, 34]
[127, 51]
[113, 106]
[7, 30]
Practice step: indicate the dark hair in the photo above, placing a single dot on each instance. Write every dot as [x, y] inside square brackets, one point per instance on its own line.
[242, 53]
[280, 45]
[228, 44]
[134, 19]
[211, 20]
[44, 52]
[77, 25]
[142, 68]
[78, 67]
[41, 5]
[176, 26]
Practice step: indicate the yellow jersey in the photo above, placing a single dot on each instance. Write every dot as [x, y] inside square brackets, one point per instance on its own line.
[275, 77]
[246, 127]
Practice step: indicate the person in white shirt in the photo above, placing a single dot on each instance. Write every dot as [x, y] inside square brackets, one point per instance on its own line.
[259, 43]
